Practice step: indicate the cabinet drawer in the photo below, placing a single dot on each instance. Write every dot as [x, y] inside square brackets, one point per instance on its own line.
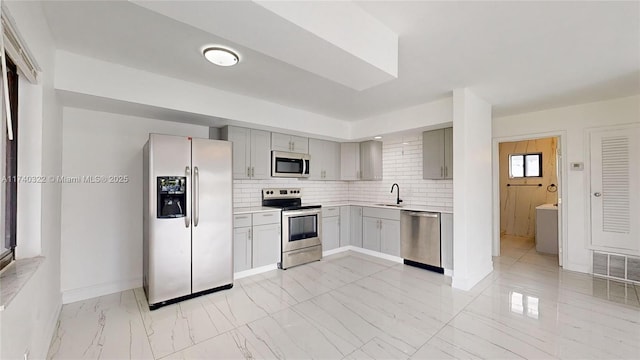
[241, 220]
[391, 214]
[272, 217]
[330, 211]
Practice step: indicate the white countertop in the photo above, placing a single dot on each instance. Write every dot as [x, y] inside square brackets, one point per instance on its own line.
[547, 207]
[253, 209]
[440, 209]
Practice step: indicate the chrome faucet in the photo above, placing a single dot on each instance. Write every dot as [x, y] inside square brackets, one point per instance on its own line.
[398, 200]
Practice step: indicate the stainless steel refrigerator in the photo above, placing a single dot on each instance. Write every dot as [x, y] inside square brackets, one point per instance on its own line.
[188, 233]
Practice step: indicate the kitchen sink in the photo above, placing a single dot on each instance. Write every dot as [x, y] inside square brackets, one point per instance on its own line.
[390, 205]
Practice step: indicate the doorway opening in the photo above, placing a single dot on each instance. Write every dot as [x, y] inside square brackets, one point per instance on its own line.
[529, 194]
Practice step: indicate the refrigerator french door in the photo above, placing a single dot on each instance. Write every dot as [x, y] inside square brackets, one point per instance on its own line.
[187, 218]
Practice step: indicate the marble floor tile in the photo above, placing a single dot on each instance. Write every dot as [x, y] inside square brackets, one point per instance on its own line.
[353, 306]
[108, 327]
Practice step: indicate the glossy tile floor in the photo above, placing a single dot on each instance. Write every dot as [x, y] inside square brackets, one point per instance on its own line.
[352, 306]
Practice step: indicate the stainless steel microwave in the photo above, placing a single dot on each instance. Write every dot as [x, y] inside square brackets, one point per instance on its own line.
[291, 165]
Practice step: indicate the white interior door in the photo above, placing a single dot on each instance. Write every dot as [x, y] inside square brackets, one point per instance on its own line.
[615, 189]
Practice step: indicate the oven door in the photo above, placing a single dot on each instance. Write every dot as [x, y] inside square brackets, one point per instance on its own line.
[301, 229]
[285, 164]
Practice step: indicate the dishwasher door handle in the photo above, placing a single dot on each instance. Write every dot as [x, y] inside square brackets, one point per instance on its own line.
[423, 214]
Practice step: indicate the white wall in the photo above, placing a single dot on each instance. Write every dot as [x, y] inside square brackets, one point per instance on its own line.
[102, 223]
[27, 324]
[406, 119]
[402, 164]
[573, 121]
[472, 198]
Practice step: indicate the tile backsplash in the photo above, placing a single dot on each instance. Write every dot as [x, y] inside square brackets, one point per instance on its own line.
[401, 163]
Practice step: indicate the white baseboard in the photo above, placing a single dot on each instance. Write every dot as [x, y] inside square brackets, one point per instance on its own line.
[79, 294]
[377, 254]
[336, 251]
[255, 271]
[448, 272]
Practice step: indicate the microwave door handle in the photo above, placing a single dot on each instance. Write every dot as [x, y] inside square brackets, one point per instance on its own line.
[304, 166]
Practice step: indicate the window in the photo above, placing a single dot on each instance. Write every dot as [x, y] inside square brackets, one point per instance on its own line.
[9, 168]
[525, 165]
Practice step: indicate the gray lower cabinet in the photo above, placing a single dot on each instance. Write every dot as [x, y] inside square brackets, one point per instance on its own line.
[330, 228]
[355, 226]
[241, 249]
[381, 230]
[266, 244]
[242, 257]
[390, 237]
[371, 233]
[345, 225]
[256, 240]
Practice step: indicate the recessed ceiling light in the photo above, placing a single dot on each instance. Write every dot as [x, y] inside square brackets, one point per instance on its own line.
[221, 56]
[377, 137]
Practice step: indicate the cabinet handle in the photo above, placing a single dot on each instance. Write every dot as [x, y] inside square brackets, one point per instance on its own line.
[250, 233]
[253, 171]
[241, 217]
[441, 171]
[446, 171]
[248, 171]
[267, 214]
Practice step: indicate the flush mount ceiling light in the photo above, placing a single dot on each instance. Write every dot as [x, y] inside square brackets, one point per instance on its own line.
[221, 56]
[377, 137]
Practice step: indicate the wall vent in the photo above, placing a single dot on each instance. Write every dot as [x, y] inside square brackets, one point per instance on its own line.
[616, 266]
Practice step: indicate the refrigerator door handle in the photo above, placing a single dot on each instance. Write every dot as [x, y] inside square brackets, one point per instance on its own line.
[187, 220]
[196, 194]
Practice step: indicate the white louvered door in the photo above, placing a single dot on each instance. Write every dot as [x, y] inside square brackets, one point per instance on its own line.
[615, 189]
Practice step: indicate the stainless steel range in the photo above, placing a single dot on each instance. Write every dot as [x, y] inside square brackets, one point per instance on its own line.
[301, 226]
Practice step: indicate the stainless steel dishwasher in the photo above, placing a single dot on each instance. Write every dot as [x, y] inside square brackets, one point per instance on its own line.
[420, 239]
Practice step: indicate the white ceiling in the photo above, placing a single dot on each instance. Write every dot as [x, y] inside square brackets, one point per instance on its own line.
[519, 56]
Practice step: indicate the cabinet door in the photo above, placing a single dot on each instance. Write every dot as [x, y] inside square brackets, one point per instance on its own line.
[345, 225]
[300, 144]
[355, 219]
[332, 161]
[266, 244]
[241, 249]
[371, 160]
[330, 233]
[448, 153]
[371, 233]
[240, 137]
[280, 142]
[317, 154]
[260, 154]
[390, 237]
[350, 161]
[433, 154]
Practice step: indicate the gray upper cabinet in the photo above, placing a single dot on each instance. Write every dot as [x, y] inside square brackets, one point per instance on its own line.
[350, 161]
[437, 154]
[371, 160]
[325, 160]
[291, 143]
[251, 152]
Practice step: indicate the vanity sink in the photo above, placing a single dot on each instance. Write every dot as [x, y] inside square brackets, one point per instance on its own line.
[390, 205]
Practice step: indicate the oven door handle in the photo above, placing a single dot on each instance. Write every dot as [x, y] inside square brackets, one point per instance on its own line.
[293, 213]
